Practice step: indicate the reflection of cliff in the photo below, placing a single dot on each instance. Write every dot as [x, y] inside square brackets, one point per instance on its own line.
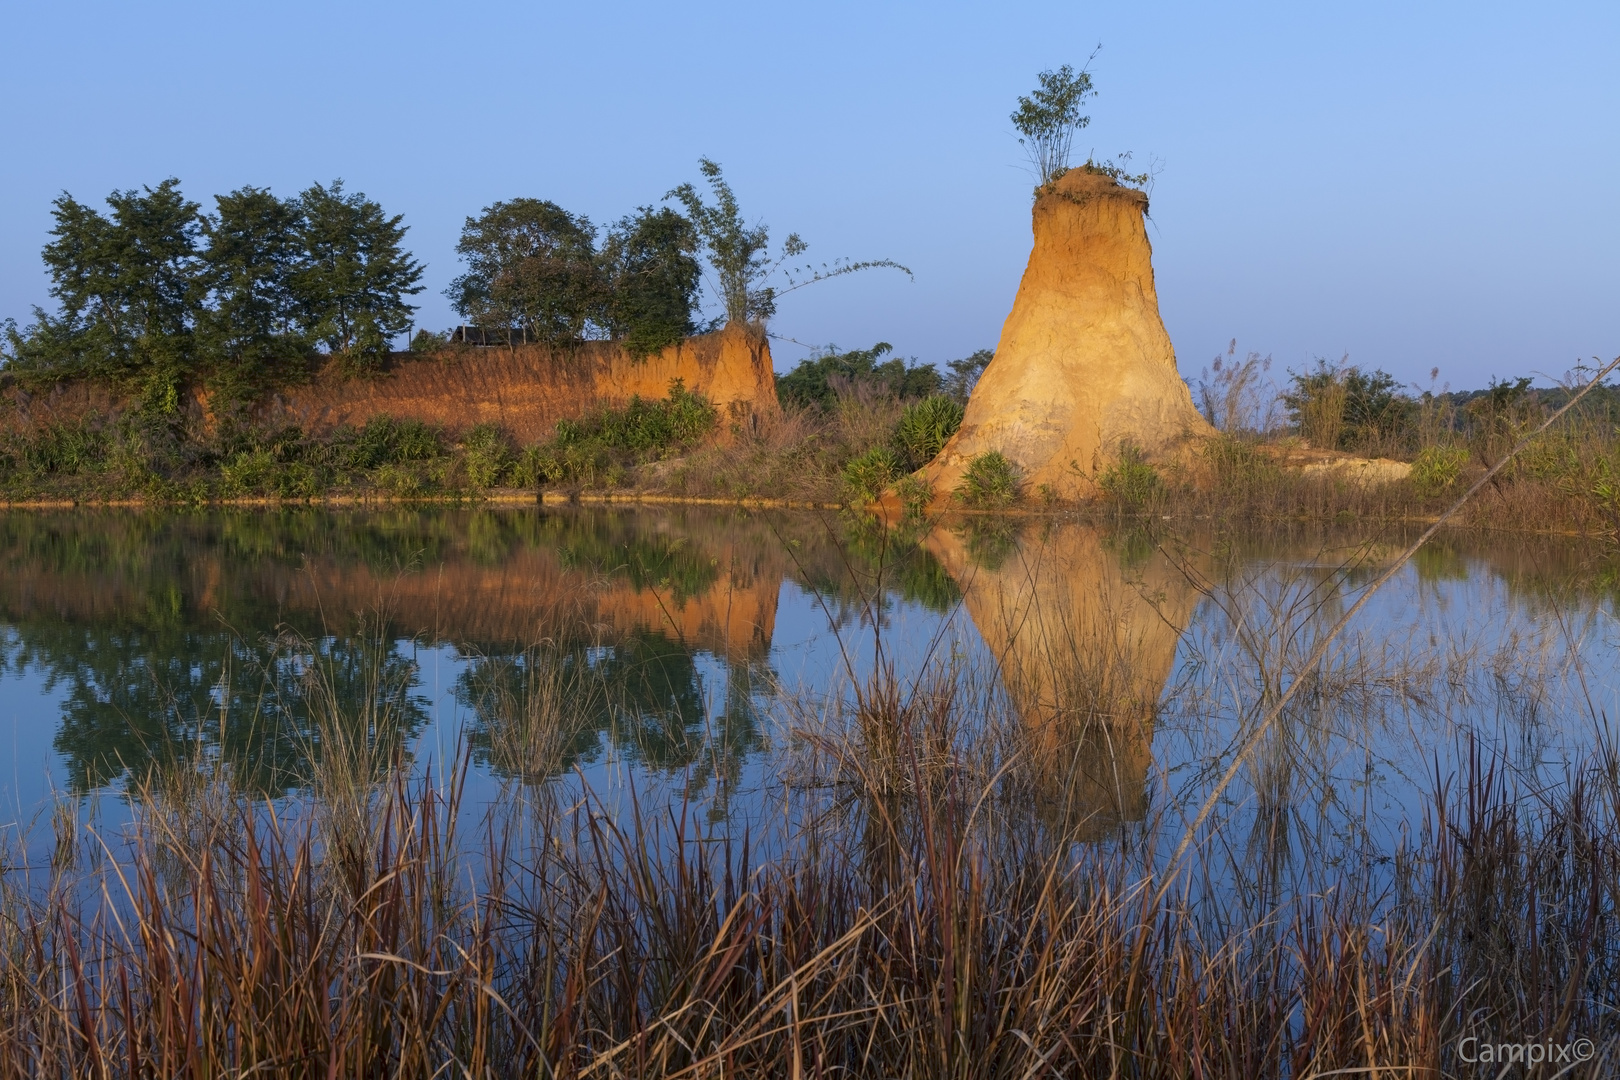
[485, 579]
[140, 619]
[1085, 628]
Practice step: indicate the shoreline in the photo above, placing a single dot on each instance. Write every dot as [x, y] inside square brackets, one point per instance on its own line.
[510, 497]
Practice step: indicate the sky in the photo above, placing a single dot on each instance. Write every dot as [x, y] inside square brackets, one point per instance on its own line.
[1416, 186]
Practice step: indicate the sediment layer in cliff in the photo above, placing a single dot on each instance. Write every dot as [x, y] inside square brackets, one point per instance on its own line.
[1084, 366]
[525, 390]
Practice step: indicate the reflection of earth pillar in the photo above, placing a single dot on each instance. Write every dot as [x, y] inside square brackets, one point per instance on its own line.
[1084, 626]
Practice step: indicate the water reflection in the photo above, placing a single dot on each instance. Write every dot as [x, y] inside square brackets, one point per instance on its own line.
[651, 634]
[164, 631]
[1084, 626]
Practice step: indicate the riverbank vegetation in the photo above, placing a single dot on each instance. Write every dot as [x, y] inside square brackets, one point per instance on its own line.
[856, 423]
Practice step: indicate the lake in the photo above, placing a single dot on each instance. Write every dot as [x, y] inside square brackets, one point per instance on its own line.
[712, 651]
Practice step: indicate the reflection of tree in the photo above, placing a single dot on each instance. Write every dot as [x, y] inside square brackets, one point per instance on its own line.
[136, 698]
[164, 632]
[611, 547]
[642, 695]
[860, 567]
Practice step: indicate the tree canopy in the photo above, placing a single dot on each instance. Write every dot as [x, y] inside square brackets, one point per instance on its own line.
[740, 256]
[1048, 118]
[816, 381]
[534, 273]
[155, 293]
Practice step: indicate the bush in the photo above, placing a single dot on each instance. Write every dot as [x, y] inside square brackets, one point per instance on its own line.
[1131, 481]
[246, 472]
[1342, 408]
[991, 481]
[1437, 468]
[602, 444]
[385, 441]
[868, 475]
[814, 382]
[488, 455]
[915, 495]
[924, 428]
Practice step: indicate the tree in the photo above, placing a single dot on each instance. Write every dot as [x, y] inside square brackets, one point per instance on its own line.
[126, 285]
[251, 335]
[531, 268]
[964, 374]
[740, 254]
[816, 381]
[354, 275]
[651, 279]
[1339, 406]
[1048, 118]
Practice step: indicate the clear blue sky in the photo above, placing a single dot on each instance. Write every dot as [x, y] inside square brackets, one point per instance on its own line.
[1417, 185]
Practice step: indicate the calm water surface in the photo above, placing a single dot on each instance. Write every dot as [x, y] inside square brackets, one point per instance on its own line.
[128, 640]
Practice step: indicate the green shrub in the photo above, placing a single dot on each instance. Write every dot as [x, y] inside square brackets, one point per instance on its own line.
[385, 441]
[601, 445]
[1338, 406]
[647, 429]
[1437, 468]
[66, 449]
[915, 495]
[298, 480]
[866, 476]
[924, 428]
[404, 479]
[246, 472]
[488, 455]
[1131, 481]
[991, 481]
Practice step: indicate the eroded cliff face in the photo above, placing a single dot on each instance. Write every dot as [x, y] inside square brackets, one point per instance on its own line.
[1085, 633]
[525, 390]
[1084, 365]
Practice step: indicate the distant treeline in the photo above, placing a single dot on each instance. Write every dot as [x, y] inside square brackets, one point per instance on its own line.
[1343, 406]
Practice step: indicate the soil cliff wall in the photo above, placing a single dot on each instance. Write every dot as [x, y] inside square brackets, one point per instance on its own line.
[1084, 364]
[526, 389]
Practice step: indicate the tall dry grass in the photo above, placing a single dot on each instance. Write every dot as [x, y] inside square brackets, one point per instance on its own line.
[932, 931]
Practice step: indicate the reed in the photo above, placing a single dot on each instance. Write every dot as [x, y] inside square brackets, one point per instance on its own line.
[934, 929]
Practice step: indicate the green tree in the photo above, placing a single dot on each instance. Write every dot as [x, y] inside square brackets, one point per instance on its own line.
[815, 381]
[531, 270]
[1048, 118]
[354, 275]
[652, 279]
[127, 289]
[1339, 406]
[251, 337]
[964, 374]
[740, 254]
